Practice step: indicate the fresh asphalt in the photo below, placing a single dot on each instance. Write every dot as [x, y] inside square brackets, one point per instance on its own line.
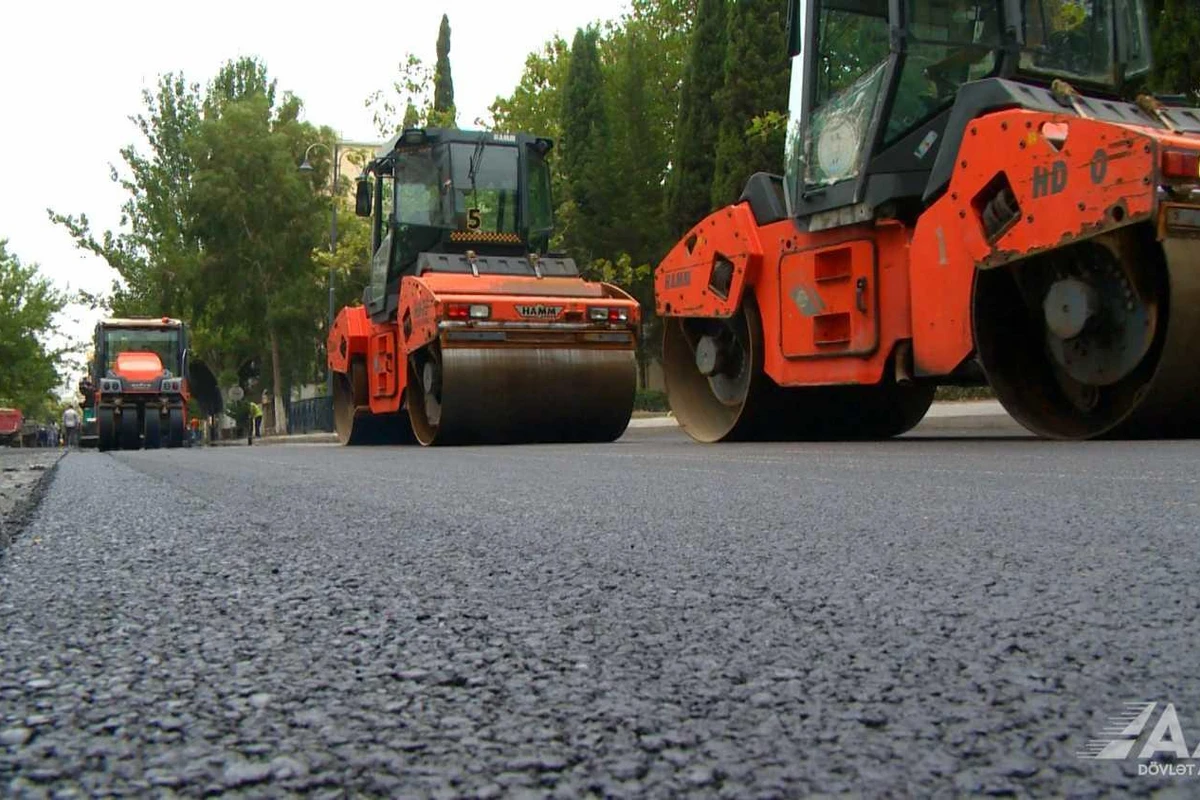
[950, 613]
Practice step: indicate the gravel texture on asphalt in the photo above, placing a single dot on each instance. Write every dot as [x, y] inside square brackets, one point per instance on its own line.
[652, 618]
[24, 475]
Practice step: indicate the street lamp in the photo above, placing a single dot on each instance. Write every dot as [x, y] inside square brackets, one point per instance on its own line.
[306, 166]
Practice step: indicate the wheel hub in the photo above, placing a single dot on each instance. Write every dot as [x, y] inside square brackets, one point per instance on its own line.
[1068, 306]
[1098, 327]
[710, 358]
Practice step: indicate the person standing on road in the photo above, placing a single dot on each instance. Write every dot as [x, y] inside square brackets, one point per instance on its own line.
[71, 427]
[256, 416]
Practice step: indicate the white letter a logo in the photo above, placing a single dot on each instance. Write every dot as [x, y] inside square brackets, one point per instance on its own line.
[1167, 723]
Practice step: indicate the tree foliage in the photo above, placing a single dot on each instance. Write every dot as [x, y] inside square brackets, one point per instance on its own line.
[694, 156]
[583, 149]
[443, 83]
[1176, 29]
[756, 82]
[28, 306]
[220, 226]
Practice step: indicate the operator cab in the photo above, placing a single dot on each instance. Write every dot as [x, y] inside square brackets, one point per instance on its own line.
[882, 90]
[481, 198]
[167, 340]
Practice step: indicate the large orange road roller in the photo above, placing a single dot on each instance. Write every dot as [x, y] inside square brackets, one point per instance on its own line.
[968, 200]
[470, 331]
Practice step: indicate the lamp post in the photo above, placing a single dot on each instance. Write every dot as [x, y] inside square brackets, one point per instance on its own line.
[307, 166]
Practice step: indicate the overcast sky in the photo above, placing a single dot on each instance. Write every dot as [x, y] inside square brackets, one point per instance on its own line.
[71, 75]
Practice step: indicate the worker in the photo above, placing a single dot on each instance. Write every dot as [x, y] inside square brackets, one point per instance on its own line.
[196, 439]
[71, 426]
[255, 421]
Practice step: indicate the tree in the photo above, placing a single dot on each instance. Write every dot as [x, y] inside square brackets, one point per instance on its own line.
[443, 83]
[1176, 29]
[155, 257]
[259, 220]
[412, 117]
[756, 82]
[690, 192]
[28, 305]
[584, 138]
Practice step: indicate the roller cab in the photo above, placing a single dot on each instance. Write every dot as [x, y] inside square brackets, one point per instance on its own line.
[470, 330]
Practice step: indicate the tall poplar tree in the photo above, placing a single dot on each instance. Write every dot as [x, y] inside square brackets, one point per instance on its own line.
[689, 190]
[756, 82]
[584, 148]
[443, 83]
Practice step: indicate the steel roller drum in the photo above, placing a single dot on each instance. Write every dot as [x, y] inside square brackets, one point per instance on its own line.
[495, 395]
[1158, 399]
[1169, 403]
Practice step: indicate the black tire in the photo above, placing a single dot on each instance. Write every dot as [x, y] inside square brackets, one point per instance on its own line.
[175, 428]
[152, 430]
[131, 436]
[106, 430]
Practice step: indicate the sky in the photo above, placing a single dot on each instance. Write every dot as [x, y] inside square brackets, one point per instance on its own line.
[72, 74]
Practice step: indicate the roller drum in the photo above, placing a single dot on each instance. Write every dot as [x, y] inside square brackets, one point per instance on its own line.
[719, 392]
[1158, 397]
[497, 395]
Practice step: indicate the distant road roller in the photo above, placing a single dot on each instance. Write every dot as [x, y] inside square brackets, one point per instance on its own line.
[470, 331]
[969, 198]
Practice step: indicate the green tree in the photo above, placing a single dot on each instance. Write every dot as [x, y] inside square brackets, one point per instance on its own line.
[690, 187]
[443, 83]
[155, 256]
[259, 221]
[587, 216]
[28, 306]
[1176, 29]
[412, 117]
[756, 82]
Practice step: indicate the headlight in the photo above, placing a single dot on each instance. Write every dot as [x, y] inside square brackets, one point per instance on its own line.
[110, 385]
[172, 385]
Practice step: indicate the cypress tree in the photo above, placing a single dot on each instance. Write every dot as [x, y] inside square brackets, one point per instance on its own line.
[584, 139]
[443, 83]
[689, 191]
[756, 81]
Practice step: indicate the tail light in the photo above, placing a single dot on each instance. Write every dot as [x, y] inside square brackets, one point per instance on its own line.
[606, 314]
[1181, 164]
[468, 311]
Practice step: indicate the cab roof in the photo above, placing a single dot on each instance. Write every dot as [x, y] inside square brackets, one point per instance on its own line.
[142, 322]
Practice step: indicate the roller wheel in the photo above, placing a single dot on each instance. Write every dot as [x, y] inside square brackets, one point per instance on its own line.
[357, 426]
[152, 430]
[106, 430]
[1081, 342]
[176, 428]
[130, 434]
[718, 390]
[520, 395]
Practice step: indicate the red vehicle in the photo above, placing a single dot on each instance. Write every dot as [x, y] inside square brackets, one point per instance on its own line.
[138, 385]
[471, 331]
[10, 426]
[970, 197]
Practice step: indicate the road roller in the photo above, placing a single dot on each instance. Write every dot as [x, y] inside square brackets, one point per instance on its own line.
[975, 192]
[137, 384]
[471, 330]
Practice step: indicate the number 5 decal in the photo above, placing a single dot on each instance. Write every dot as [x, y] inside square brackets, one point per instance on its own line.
[473, 219]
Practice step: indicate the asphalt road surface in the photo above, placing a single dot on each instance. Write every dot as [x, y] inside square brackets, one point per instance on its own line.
[652, 618]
